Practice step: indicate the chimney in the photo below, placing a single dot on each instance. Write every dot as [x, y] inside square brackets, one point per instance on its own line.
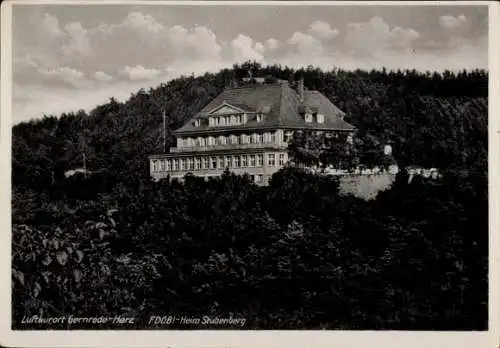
[300, 89]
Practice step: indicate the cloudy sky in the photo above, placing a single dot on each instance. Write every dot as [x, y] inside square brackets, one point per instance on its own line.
[75, 57]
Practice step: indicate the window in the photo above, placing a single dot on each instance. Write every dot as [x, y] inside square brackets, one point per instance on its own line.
[252, 160]
[259, 117]
[190, 163]
[308, 117]
[282, 159]
[258, 178]
[197, 162]
[233, 119]
[176, 164]
[183, 164]
[271, 160]
[244, 161]
[267, 136]
[288, 136]
[236, 161]
[211, 141]
[206, 163]
[213, 163]
[320, 118]
[273, 138]
[242, 139]
[197, 123]
[222, 140]
[238, 119]
[203, 141]
[222, 121]
[155, 165]
[221, 162]
[234, 139]
[227, 162]
[162, 165]
[169, 165]
[260, 160]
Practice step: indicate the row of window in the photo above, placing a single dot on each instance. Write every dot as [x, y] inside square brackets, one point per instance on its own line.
[227, 120]
[218, 162]
[255, 138]
[242, 119]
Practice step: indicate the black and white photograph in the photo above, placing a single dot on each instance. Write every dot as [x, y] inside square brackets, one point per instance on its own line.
[248, 166]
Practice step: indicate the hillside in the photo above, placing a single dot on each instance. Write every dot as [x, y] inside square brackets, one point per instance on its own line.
[296, 254]
[433, 120]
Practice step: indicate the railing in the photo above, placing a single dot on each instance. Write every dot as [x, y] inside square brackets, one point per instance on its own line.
[228, 147]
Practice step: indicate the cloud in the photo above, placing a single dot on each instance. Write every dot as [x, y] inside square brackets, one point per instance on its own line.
[101, 76]
[202, 42]
[50, 25]
[65, 75]
[376, 34]
[322, 30]
[258, 47]
[451, 22]
[33, 101]
[272, 44]
[60, 66]
[77, 41]
[243, 48]
[305, 44]
[143, 22]
[140, 73]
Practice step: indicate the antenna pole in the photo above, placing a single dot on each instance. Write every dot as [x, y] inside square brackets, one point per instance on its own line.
[84, 164]
[164, 130]
[84, 158]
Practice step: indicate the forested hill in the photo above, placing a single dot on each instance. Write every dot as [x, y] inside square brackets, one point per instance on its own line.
[432, 119]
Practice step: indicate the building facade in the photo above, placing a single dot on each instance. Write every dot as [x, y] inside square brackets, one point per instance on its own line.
[247, 130]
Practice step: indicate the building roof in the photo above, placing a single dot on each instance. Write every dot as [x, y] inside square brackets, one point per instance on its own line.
[280, 105]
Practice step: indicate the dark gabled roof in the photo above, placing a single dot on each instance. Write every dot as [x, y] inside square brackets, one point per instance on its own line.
[279, 103]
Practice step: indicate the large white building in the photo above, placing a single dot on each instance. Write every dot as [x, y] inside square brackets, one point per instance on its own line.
[247, 130]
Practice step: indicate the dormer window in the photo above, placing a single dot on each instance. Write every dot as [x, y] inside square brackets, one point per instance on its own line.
[197, 122]
[308, 117]
[320, 118]
[260, 117]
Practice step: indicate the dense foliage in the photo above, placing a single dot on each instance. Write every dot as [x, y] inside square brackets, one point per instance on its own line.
[291, 255]
[294, 254]
[432, 120]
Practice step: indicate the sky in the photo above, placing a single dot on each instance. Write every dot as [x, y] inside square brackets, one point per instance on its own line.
[71, 57]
